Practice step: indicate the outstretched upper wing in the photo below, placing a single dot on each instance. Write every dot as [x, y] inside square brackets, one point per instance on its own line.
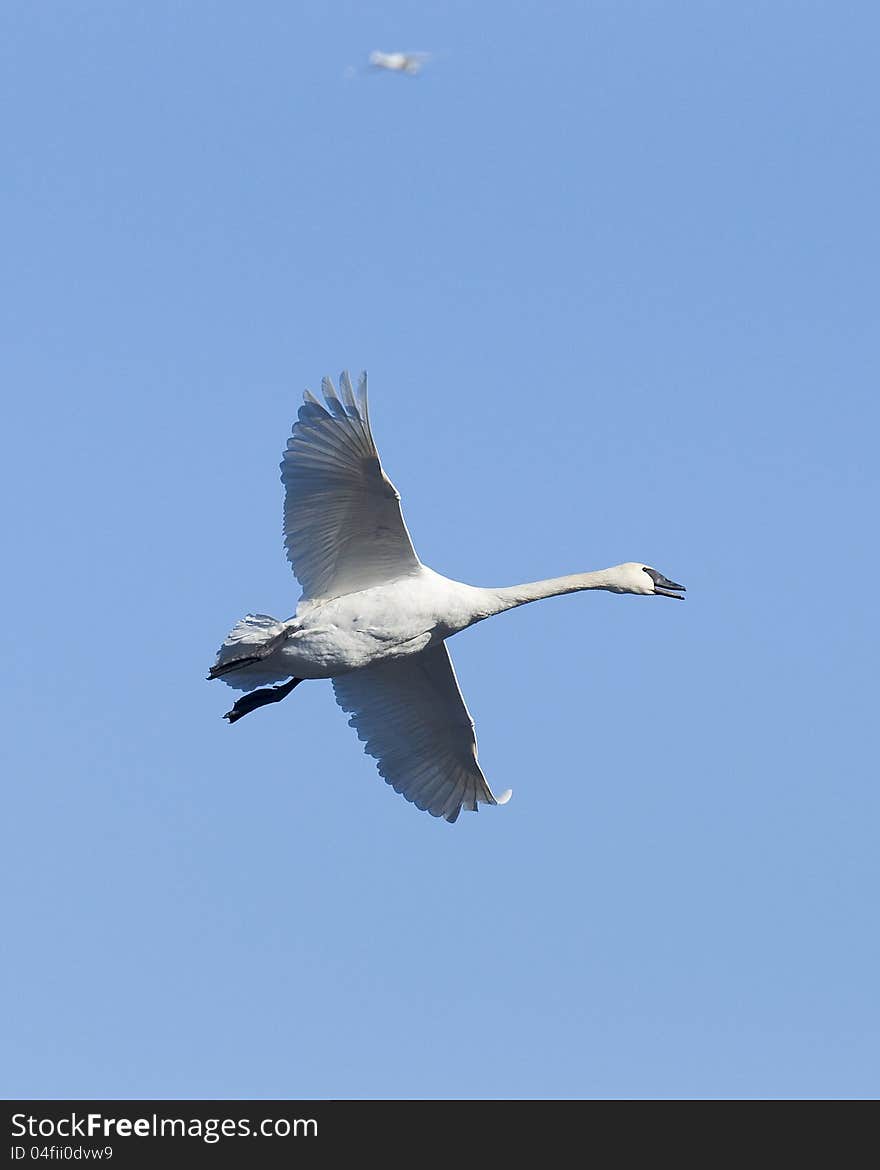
[413, 720]
[343, 527]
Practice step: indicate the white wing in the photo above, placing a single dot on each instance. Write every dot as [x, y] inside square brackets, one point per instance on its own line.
[413, 720]
[343, 527]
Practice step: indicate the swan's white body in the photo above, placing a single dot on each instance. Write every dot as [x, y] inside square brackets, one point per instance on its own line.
[373, 618]
[331, 636]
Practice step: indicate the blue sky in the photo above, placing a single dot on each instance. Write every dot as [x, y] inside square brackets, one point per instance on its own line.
[613, 269]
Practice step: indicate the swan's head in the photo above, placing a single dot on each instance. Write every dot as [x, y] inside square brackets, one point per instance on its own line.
[634, 577]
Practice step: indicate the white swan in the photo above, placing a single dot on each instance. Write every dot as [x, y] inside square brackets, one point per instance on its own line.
[373, 618]
[411, 63]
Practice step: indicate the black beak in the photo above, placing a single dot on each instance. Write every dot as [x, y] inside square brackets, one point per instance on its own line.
[664, 587]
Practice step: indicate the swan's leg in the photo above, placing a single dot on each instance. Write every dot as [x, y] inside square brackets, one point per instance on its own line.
[254, 699]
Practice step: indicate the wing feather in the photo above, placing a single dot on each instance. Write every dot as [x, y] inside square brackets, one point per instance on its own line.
[343, 526]
[412, 718]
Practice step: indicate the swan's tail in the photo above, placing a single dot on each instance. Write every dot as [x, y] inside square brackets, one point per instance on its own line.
[247, 658]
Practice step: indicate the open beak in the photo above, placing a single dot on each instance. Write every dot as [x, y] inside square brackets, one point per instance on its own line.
[667, 588]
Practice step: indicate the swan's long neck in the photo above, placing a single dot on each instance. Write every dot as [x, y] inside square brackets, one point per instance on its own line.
[498, 600]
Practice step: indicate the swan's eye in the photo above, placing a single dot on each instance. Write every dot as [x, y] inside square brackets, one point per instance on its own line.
[645, 569]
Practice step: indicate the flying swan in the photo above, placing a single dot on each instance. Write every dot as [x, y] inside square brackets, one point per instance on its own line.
[411, 63]
[373, 618]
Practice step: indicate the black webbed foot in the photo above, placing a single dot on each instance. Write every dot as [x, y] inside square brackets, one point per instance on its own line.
[260, 698]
